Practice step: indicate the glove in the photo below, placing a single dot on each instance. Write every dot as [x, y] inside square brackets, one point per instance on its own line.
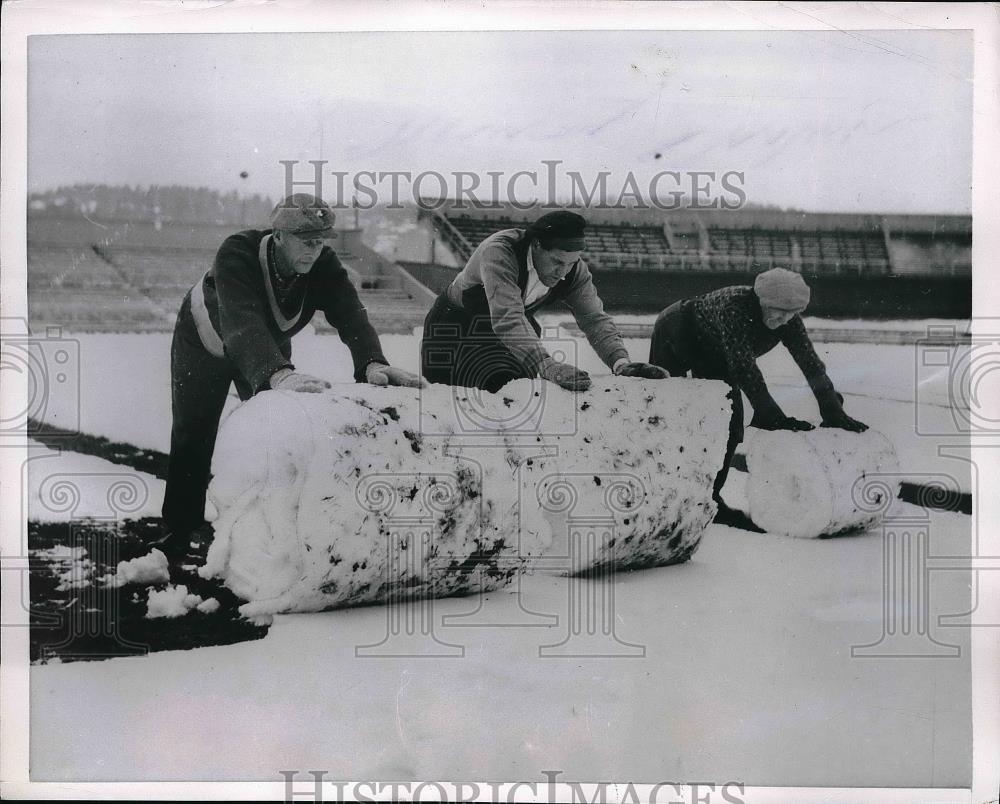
[564, 375]
[381, 374]
[841, 420]
[781, 422]
[288, 380]
[645, 370]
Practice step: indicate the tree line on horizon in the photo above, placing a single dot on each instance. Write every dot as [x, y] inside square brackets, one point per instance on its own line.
[184, 204]
[171, 203]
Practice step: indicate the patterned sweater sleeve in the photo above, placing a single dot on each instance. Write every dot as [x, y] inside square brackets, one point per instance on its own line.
[243, 314]
[498, 270]
[796, 340]
[597, 325]
[727, 328]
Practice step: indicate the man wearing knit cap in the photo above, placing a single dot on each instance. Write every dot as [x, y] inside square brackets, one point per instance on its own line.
[235, 327]
[720, 335]
[482, 333]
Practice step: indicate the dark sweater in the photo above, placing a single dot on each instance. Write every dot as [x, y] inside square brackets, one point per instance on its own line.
[254, 313]
[727, 329]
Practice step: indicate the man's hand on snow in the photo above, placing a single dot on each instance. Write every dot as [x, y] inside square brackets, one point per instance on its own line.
[781, 422]
[381, 374]
[564, 375]
[646, 371]
[842, 421]
[287, 380]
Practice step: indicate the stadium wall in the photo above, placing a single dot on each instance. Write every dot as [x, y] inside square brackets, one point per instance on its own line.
[887, 297]
[884, 297]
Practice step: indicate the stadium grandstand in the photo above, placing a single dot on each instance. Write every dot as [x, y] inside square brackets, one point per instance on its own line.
[89, 275]
[750, 241]
[877, 266]
[124, 264]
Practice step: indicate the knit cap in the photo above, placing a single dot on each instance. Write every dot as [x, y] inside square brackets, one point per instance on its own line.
[781, 289]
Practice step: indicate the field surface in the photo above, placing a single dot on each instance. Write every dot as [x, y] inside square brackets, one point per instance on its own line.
[737, 665]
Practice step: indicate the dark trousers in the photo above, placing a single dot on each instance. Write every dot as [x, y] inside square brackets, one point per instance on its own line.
[673, 347]
[460, 348]
[199, 386]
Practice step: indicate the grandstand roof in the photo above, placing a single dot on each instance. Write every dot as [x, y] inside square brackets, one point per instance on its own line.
[731, 219]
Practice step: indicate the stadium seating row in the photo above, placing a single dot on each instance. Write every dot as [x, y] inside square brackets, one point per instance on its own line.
[137, 290]
[600, 238]
[636, 247]
[112, 285]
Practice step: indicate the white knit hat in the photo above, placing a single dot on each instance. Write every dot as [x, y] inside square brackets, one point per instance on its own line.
[782, 290]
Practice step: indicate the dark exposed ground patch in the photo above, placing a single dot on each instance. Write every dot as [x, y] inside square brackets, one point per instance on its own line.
[97, 622]
[144, 460]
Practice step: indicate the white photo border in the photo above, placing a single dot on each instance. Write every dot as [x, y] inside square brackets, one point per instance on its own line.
[29, 17]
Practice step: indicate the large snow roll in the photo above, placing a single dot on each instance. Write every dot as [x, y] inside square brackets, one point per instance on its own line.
[812, 484]
[630, 484]
[365, 494]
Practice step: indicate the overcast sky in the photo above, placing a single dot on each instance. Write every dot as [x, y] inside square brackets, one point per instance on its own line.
[824, 121]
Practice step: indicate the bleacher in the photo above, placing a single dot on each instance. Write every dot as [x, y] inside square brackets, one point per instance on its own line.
[814, 252]
[686, 243]
[864, 252]
[82, 278]
[750, 242]
[70, 269]
[851, 246]
[74, 288]
[164, 275]
[120, 276]
[615, 246]
[601, 239]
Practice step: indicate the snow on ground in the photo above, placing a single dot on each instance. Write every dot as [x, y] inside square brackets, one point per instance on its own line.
[747, 675]
[881, 385]
[66, 486]
[151, 568]
[171, 601]
[120, 388]
[69, 564]
[209, 606]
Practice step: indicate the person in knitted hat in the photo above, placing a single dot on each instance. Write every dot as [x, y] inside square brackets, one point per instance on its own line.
[481, 332]
[720, 335]
[782, 294]
[235, 327]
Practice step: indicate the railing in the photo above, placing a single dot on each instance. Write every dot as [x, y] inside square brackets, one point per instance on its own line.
[453, 238]
[741, 263]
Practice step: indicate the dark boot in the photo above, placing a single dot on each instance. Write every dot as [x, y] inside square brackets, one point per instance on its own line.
[183, 548]
[173, 545]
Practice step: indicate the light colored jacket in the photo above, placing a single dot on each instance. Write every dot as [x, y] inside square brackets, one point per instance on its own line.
[499, 267]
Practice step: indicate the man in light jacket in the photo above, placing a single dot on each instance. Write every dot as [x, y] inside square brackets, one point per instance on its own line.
[481, 332]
